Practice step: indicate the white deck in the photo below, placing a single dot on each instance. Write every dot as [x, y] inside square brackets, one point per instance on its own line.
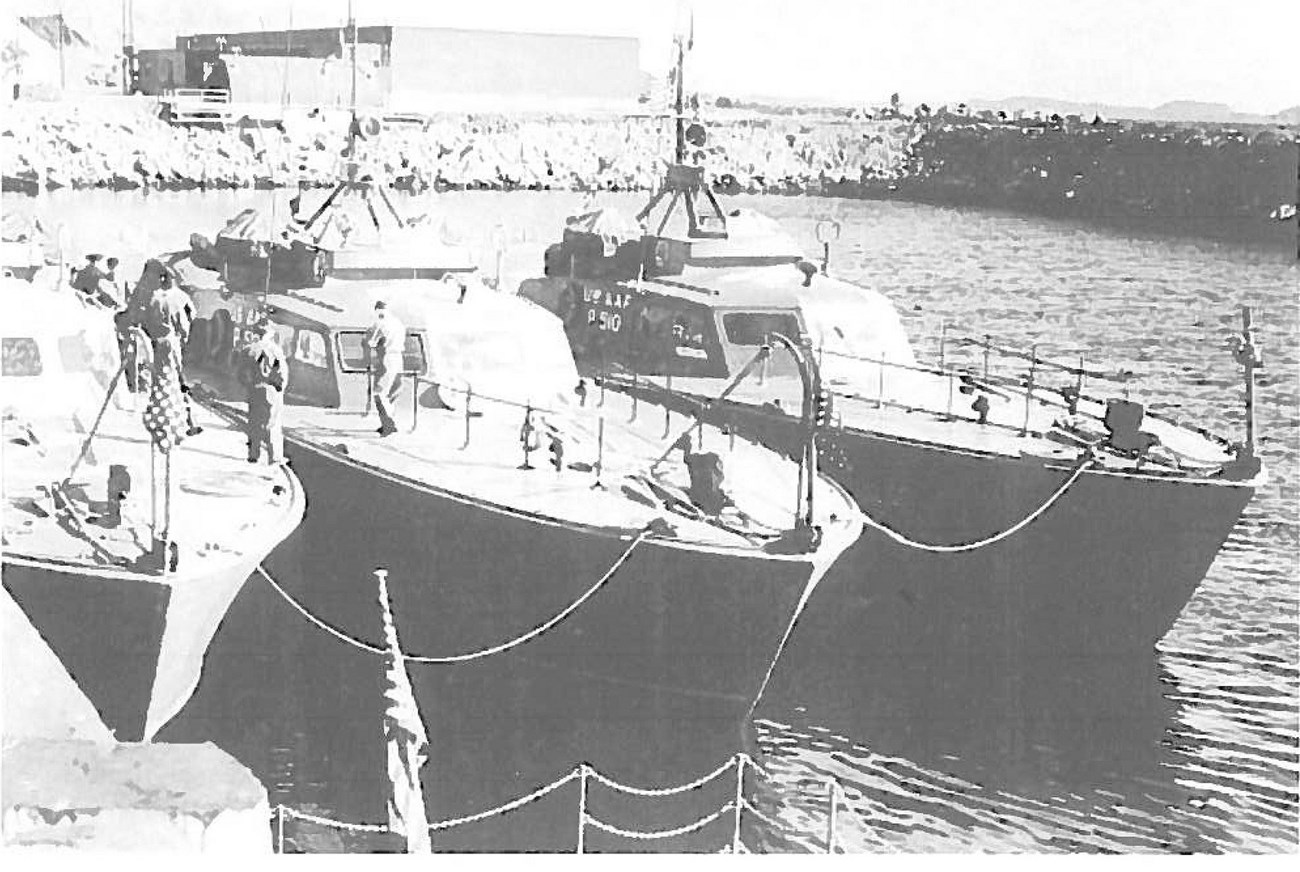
[860, 410]
[223, 508]
[762, 484]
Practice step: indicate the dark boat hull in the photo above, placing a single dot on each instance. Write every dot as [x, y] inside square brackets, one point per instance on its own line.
[1002, 656]
[651, 681]
[133, 644]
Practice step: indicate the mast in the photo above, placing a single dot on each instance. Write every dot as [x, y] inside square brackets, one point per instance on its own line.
[678, 103]
[352, 26]
[685, 183]
[63, 29]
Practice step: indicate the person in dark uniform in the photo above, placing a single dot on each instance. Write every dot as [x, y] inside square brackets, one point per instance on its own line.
[129, 321]
[86, 281]
[385, 342]
[264, 372]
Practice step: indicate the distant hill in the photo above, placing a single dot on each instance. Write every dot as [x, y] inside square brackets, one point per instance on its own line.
[1175, 110]
[1289, 116]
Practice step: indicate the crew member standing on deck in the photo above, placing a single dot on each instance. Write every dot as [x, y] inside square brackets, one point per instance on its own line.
[264, 372]
[385, 341]
[167, 319]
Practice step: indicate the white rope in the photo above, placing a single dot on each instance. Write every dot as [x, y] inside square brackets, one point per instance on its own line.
[333, 631]
[330, 822]
[997, 537]
[471, 655]
[507, 807]
[771, 822]
[645, 836]
[667, 791]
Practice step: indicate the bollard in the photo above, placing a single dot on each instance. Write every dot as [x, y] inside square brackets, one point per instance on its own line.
[279, 829]
[634, 400]
[988, 340]
[582, 808]
[832, 799]
[880, 383]
[951, 379]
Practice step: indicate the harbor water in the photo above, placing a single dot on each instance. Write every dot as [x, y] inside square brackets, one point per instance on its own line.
[1212, 765]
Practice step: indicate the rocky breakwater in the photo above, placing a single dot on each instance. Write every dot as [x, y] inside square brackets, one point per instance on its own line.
[65, 783]
[1208, 180]
[124, 144]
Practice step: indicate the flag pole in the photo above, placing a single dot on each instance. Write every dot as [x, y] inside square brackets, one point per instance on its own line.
[406, 739]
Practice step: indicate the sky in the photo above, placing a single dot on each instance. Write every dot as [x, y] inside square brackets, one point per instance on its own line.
[1127, 52]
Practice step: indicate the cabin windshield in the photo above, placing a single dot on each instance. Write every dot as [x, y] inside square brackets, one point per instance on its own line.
[863, 325]
[754, 328]
[22, 357]
[353, 358]
[746, 332]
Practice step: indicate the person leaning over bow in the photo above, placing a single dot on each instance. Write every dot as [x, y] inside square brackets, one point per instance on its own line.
[385, 341]
[264, 373]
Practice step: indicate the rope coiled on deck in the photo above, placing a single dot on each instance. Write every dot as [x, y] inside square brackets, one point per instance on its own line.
[479, 654]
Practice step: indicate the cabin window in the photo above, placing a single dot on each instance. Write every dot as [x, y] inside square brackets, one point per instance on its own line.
[353, 353]
[22, 356]
[309, 348]
[283, 336]
[753, 328]
[75, 354]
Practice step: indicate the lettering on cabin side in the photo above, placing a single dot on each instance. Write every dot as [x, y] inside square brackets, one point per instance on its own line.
[604, 308]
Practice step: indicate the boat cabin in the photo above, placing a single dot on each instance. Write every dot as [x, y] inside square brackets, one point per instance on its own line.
[53, 346]
[496, 343]
[703, 307]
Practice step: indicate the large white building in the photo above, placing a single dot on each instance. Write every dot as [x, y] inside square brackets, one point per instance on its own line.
[420, 69]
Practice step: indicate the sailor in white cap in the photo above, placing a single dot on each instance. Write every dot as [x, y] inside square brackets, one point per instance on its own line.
[385, 341]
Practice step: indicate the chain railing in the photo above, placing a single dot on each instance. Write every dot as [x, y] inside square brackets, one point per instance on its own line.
[734, 809]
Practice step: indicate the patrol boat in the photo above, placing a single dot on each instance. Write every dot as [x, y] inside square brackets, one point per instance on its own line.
[126, 575]
[653, 564]
[1028, 541]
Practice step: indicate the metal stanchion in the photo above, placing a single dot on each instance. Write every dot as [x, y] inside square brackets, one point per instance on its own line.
[582, 809]
[1029, 387]
[600, 453]
[469, 395]
[832, 813]
[415, 401]
[951, 380]
[740, 798]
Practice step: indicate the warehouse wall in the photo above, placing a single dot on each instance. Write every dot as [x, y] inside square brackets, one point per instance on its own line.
[436, 68]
